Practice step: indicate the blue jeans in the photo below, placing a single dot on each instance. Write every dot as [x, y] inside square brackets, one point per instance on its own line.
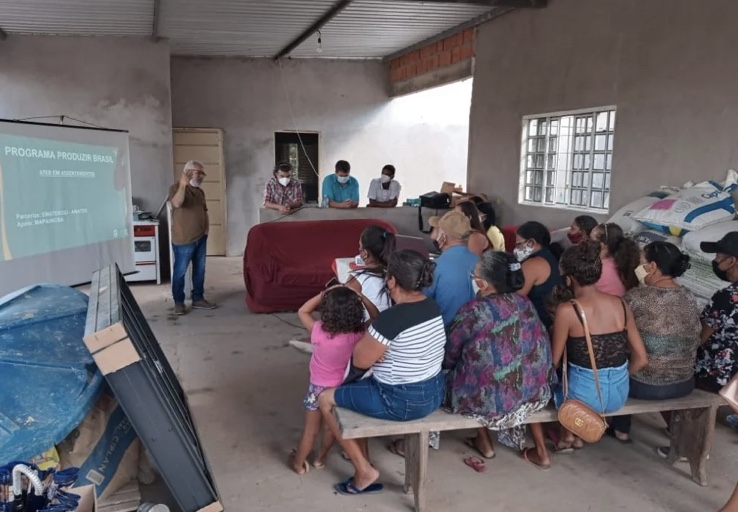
[614, 383]
[184, 255]
[400, 402]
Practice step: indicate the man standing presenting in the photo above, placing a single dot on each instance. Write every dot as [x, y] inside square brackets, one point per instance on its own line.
[190, 227]
[341, 190]
[452, 282]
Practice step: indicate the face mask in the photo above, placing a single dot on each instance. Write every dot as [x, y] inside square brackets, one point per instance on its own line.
[475, 287]
[437, 243]
[386, 179]
[721, 274]
[195, 183]
[523, 253]
[284, 181]
[641, 273]
[342, 179]
[575, 238]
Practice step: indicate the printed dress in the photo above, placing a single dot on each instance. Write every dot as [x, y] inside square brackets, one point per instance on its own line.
[500, 365]
[716, 358]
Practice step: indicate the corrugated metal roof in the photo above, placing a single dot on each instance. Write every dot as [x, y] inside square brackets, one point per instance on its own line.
[376, 28]
[78, 17]
[251, 28]
[254, 28]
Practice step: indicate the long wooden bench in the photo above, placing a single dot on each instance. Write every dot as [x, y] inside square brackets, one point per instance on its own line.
[692, 427]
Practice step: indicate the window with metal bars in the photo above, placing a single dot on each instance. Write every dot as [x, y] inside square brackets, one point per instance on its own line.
[300, 150]
[566, 159]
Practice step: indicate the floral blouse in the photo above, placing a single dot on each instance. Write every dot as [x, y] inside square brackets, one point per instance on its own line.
[499, 357]
[716, 358]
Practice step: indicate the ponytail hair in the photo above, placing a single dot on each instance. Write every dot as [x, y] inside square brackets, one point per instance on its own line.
[668, 258]
[379, 243]
[502, 271]
[623, 250]
[411, 270]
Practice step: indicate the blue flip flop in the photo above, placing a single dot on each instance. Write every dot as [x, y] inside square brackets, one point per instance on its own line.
[348, 488]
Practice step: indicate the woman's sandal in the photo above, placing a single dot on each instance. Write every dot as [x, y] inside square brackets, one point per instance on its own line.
[560, 447]
[476, 464]
[611, 432]
[471, 443]
[348, 488]
[536, 465]
[305, 464]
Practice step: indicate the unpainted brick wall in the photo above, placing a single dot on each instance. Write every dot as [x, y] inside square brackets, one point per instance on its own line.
[455, 48]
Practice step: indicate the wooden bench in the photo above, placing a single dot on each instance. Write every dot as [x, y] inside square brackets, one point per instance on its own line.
[692, 427]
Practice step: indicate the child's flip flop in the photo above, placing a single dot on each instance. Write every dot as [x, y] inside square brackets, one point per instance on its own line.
[348, 488]
[476, 464]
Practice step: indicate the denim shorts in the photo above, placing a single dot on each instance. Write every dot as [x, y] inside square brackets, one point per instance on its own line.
[614, 383]
[399, 402]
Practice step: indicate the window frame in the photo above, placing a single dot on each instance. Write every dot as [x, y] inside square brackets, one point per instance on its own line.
[570, 154]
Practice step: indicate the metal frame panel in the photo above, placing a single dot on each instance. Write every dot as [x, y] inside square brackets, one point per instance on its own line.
[151, 395]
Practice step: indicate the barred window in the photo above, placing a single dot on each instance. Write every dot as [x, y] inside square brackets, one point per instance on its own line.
[567, 159]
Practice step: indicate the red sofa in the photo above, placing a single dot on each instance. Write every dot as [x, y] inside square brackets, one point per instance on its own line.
[287, 263]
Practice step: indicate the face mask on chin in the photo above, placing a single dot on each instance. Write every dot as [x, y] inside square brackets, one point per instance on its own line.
[342, 179]
[721, 274]
[386, 179]
[475, 287]
[284, 181]
[523, 253]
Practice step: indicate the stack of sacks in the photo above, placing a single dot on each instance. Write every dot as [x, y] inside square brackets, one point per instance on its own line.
[692, 208]
[624, 217]
[700, 278]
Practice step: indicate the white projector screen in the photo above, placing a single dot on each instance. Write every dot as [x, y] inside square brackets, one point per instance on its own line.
[65, 203]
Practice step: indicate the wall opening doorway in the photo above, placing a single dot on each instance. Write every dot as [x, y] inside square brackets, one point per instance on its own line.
[300, 150]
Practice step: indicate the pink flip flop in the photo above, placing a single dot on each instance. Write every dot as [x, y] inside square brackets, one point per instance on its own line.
[476, 463]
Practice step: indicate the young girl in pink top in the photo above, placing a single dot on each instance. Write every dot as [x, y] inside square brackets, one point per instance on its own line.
[334, 336]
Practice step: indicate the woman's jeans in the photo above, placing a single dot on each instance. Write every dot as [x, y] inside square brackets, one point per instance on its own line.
[184, 255]
[614, 383]
[650, 392]
[399, 402]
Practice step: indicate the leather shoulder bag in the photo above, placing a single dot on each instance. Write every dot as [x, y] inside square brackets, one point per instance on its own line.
[573, 414]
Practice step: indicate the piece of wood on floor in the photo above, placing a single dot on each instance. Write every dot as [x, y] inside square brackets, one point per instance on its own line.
[126, 499]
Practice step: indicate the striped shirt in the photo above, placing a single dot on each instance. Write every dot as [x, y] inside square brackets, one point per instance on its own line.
[415, 338]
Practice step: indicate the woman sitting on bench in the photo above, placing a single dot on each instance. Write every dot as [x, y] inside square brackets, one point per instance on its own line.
[499, 357]
[404, 349]
[618, 347]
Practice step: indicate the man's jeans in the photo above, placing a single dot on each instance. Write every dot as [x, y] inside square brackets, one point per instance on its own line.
[183, 255]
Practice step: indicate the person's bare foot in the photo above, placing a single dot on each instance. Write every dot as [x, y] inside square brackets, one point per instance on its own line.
[541, 462]
[364, 480]
[481, 445]
[299, 467]
[319, 462]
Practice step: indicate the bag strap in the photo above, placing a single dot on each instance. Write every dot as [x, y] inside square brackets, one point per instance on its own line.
[590, 348]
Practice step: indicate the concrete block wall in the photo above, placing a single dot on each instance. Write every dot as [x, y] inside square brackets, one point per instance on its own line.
[434, 56]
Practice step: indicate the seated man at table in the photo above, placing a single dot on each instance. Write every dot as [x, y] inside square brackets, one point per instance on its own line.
[339, 189]
[452, 282]
[385, 190]
[282, 192]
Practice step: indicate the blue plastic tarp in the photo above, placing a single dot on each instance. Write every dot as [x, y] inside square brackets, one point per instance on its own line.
[48, 379]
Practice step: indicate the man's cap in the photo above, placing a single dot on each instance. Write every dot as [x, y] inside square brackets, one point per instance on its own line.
[455, 224]
[726, 245]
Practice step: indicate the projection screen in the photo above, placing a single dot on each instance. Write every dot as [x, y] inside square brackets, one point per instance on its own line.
[65, 203]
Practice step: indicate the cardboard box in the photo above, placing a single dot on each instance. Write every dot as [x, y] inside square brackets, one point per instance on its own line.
[455, 192]
[87, 498]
